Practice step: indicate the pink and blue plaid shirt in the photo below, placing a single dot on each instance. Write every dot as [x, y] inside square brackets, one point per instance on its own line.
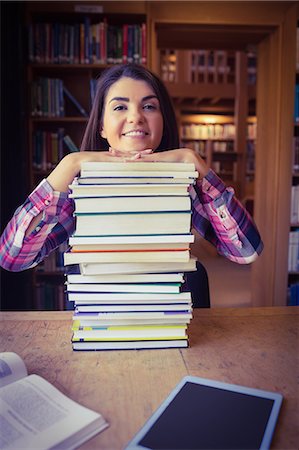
[216, 215]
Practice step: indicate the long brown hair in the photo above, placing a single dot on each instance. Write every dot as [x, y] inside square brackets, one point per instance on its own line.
[92, 139]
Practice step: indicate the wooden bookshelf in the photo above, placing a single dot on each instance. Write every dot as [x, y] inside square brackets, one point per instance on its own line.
[72, 42]
[293, 249]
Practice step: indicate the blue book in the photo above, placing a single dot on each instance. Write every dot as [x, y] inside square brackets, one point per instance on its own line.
[70, 144]
[75, 102]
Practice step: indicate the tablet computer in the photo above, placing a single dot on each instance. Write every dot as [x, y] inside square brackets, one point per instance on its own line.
[207, 414]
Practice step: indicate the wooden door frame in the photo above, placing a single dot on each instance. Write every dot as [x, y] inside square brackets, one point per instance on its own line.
[275, 106]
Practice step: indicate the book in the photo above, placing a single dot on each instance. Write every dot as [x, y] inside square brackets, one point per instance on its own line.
[126, 278]
[111, 256]
[135, 268]
[128, 247]
[131, 204]
[70, 143]
[130, 345]
[75, 102]
[95, 319]
[230, 417]
[119, 224]
[129, 297]
[87, 166]
[37, 415]
[125, 190]
[140, 241]
[130, 333]
[128, 287]
[117, 307]
[140, 174]
[133, 180]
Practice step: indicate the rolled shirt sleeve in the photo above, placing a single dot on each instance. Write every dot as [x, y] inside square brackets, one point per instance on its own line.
[220, 218]
[19, 252]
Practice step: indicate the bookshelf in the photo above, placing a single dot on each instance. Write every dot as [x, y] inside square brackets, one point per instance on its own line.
[293, 249]
[69, 45]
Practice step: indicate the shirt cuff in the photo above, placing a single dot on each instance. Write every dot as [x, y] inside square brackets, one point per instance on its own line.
[45, 198]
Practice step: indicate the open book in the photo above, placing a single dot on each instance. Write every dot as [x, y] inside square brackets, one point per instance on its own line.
[36, 415]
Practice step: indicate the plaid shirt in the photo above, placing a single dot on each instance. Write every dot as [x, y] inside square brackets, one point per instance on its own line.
[216, 215]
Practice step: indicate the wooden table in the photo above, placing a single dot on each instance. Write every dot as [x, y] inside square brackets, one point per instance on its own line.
[256, 347]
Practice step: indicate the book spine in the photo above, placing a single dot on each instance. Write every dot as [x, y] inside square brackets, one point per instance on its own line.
[75, 102]
[70, 144]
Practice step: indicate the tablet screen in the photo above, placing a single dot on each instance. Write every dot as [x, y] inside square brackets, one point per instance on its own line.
[211, 416]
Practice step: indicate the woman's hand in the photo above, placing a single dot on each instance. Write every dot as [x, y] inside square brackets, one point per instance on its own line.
[131, 155]
[185, 155]
[69, 167]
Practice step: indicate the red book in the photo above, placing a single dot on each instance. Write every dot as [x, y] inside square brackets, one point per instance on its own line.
[125, 43]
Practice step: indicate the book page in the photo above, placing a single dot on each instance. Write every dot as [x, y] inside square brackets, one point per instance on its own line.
[12, 368]
[34, 414]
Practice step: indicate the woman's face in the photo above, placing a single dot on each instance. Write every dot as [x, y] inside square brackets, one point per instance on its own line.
[132, 119]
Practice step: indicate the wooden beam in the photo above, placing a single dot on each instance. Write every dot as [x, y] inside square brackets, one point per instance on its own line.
[275, 108]
[241, 113]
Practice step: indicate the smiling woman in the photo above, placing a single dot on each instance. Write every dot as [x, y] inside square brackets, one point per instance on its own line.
[133, 123]
[132, 118]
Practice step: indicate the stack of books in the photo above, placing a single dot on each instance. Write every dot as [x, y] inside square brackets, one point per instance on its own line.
[131, 246]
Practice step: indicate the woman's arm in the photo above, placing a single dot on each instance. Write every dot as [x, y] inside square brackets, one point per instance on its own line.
[220, 218]
[40, 225]
[45, 220]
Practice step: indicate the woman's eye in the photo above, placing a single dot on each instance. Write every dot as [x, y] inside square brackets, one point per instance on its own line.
[150, 106]
[118, 108]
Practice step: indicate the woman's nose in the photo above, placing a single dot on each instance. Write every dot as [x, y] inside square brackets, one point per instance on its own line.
[135, 115]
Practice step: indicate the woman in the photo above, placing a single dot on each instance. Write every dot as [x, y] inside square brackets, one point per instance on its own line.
[132, 118]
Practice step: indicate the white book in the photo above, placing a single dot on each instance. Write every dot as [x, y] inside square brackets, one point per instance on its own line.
[127, 278]
[137, 174]
[127, 224]
[134, 180]
[133, 321]
[130, 345]
[36, 415]
[133, 165]
[137, 307]
[130, 318]
[79, 318]
[127, 247]
[133, 240]
[126, 190]
[135, 268]
[131, 204]
[125, 256]
[129, 297]
[131, 332]
[116, 287]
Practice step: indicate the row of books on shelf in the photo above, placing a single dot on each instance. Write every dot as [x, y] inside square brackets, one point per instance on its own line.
[87, 43]
[296, 109]
[295, 205]
[49, 147]
[206, 66]
[296, 154]
[127, 255]
[202, 147]
[215, 131]
[51, 98]
[293, 260]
